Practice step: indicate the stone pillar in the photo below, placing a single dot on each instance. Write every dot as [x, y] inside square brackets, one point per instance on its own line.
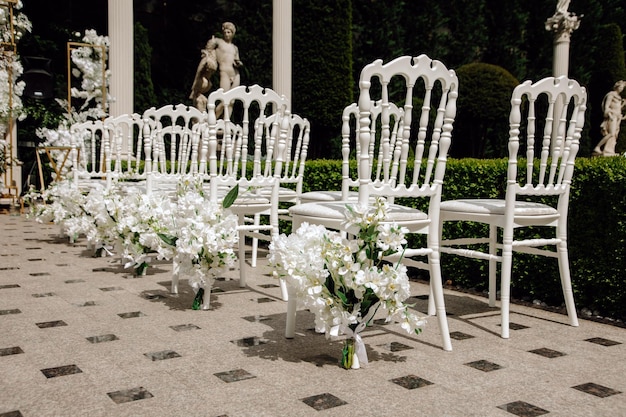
[281, 41]
[121, 27]
[562, 24]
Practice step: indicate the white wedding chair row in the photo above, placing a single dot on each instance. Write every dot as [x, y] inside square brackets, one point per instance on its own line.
[253, 159]
[426, 132]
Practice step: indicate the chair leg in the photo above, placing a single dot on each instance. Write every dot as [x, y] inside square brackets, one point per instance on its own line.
[175, 277]
[505, 290]
[566, 282]
[242, 256]
[255, 242]
[284, 291]
[436, 287]
[493, 265]
[292, 303]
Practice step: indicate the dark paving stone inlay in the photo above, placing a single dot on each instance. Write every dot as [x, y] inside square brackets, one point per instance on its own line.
[48, 324]
[10, 311]
[265, 300]
[411, 382]
[128, 395]
[380, 322]
[460, 336]
[36, 259]
[268, 285]
[74, 281]
[15, 413]
[102, 338]
[597, 390]
[33, 248]
[131, 314]
[39, 274]
[184, 327]
[9, 268]
[11, 351]
[395, 346]
[484, 365]
[44, 294]
[159, 356]
[101, 269]
[257, 318]
[234, 375]
[523, 409]
[602, 341]
[111, 289]
[323, 401]
[61, 371]
[87, 304]
[250, 341]
[2, 287]
[548, 353]
[216, 290]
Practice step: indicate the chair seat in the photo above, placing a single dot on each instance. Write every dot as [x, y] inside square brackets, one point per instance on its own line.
[336, 210]
[497, 207]
[326, 196]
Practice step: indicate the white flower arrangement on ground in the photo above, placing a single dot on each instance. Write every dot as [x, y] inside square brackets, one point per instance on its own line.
[61, 203]
[140, 220]
[205, 236]
[345, 282]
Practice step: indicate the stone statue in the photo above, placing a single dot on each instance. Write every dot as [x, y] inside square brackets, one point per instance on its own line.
[219, 54]
[612, 106]
[562, 6]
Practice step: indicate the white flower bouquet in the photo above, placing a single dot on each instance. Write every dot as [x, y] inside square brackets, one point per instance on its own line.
[345, 282]
[205, 237]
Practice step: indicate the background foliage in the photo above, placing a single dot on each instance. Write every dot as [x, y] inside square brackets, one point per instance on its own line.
[334, 39]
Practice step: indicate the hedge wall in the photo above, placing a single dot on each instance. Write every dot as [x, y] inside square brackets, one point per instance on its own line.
[597, 231]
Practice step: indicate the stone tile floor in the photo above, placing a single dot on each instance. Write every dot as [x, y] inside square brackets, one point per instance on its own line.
[81, 336]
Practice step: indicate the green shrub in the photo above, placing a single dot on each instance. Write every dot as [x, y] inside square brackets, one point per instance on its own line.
[596, 231]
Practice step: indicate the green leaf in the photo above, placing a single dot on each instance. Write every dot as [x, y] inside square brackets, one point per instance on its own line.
[231, 197]
[168, 239]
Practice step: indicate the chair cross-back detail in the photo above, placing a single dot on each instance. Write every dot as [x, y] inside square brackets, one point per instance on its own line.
[546, 120]
[349, 174]
[426, 91]
[127, 145]
[251, 159]
[90, 152]
[292, 175]
[173, 135]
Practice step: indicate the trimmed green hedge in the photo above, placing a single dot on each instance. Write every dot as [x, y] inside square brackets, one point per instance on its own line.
[597, 231]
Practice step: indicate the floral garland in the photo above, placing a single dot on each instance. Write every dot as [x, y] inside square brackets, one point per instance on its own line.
[10, 66]
[345, 282]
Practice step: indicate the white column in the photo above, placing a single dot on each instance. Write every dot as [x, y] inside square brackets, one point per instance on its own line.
[281, 41]
[121, 56]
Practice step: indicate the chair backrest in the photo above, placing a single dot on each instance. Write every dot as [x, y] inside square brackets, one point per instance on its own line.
[91, 149]
[426, 91]
[163, 126]
[349, 130]
[252, 159]
[127, 144]
[296, 148]
[546, 121]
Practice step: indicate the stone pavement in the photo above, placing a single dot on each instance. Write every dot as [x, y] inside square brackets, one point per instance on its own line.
[81, 336]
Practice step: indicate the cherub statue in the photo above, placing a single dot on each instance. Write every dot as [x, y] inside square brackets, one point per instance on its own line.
[219, 54]
[612, 105]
